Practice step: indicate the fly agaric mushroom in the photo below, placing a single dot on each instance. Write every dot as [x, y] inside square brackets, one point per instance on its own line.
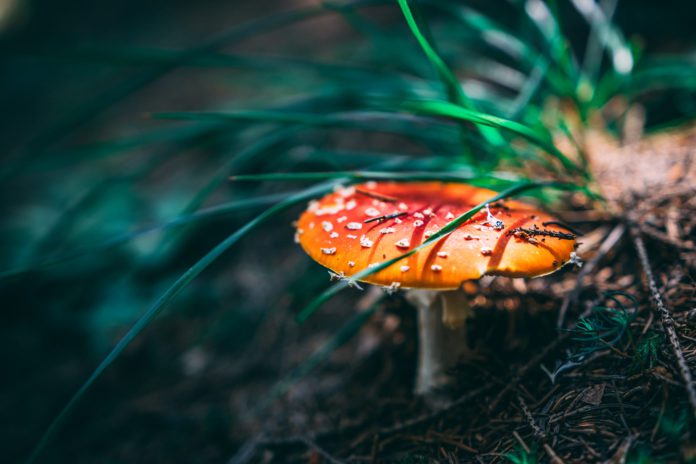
[358, 227]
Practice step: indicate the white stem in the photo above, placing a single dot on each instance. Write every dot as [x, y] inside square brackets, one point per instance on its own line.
[442, 336]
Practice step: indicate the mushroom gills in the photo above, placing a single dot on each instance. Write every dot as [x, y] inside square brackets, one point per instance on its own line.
[442, 337]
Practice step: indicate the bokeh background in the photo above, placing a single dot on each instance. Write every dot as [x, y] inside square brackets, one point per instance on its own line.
[104, 204]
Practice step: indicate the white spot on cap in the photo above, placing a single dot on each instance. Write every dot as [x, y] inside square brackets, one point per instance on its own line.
[403, 206]
[354, 226]
[442, 254]
[327, 226]
[331, 209]
[398, 221]
[405, 268]
[449, 216]
[351, 236]
[351, 264]
[417, 223]
[393, 288]
[311, 225]
[342, 219]
[436, 268]
[345, 191]
[351, 204]
[492, 221]
[418, 215]
[313, 205]
[366, 242]
[403, 243]
[485, 251]
[371, 184]
[428, 212]
[371, 265]
[372, 212]
[328, 251]
[387, 230]
[334, 235]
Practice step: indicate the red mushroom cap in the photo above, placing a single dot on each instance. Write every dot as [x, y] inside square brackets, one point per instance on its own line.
[359, 226]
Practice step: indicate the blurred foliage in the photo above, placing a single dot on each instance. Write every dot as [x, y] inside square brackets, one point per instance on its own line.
[123, 121]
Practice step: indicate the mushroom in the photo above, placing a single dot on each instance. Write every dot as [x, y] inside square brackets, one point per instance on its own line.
[358, 227]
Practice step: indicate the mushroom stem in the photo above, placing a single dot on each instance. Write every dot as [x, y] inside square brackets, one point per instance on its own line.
[442, 336]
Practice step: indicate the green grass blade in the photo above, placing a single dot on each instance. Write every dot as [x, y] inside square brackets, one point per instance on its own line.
[171, 293]
[445, 109]
[454, 89]
[202, 215]
[451, 226]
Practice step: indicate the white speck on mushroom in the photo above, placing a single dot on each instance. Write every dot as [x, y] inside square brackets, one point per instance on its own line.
[371, 184]
[398, 221]
[366, 242]
[494, 222]
[485, 251]
[342, 219]
[393, 288]
[297, 237]
[429, 233]
[351, 204]
[328, 251]
[372, 212]
[442, 254]
[575, 259]
[352, 283]
[436, 268]
[313, 205]
[354, 226]
[342, 276]
[418, 215]
[345, 191]
[449, 216]
[405, 268]
[403, 206]
[351, 263]
[336, 275]
[331, 209]
[417, 223]
[375, 202]
[351, 236]
[387, 230]
[334, 235]
[371, 265]
[311, 225]
[403, 243]
[327, 226]
[428, 212]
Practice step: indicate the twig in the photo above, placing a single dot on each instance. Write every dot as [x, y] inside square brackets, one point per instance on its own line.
[538, 432]
[665, 317]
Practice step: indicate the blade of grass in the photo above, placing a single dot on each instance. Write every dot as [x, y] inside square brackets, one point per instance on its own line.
[454, 89]
[450, 227]
[164, 301]
[202, 215]
[360, 176]
[446, 109]
[99, 103]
